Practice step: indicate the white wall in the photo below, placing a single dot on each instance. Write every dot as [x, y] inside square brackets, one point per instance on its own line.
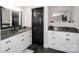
[72, 13]
[26, 16]
[75, 15]
[59, 9]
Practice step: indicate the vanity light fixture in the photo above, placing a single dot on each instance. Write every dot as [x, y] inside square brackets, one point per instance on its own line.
[13, 8]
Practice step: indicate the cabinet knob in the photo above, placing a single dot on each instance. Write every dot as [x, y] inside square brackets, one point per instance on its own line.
[8, 41]
[22, 40]
[53, 38]
[68, 39]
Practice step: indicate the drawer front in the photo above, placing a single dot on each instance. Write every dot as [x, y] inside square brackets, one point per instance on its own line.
[51, 35]
[21, 44]
[72, 38]
[6, 42]
[7, 49]
[52, 45]
[51, 40]
[22, 35]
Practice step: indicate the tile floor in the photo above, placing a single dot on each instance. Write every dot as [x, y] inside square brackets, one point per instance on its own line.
[39, 49]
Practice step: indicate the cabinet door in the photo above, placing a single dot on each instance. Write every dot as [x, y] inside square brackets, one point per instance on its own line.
[20, 42]
[60, 41]
[18, 45]
[55, 40]
[23, 41]
[64, 41]
[72, 42]
[28, 37]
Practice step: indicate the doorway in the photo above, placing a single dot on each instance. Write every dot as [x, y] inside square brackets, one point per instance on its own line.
[37, 26]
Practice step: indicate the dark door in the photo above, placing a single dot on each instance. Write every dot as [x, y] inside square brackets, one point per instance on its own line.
[37, 26]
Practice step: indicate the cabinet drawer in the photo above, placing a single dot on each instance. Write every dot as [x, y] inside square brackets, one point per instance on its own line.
[7, 49]
[52, 45]
[51, 35]
[22, 44]
[51, 40]
[7, 42]
[73, 35]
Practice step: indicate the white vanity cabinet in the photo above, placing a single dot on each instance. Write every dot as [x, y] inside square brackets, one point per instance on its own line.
[72, 42]
[24, 41]
[63, 41]
[16, 43]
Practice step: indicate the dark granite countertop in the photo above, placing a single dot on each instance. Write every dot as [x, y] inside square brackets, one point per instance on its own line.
[9, 33]
[64, 29]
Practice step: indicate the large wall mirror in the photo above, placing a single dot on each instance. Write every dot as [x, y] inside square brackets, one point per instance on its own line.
[10, 18]
[5, 17]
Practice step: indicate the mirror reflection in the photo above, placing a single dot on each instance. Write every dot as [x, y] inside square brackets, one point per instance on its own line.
[5, 17]
[15, 18]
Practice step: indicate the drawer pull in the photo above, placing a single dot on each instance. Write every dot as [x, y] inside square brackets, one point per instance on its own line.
[7, 49]
[67, 39]
[67, 34]
[53, 33]
[53, 38]
[22, 40]
[22, 35]
[8, 41]
[53, 44]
